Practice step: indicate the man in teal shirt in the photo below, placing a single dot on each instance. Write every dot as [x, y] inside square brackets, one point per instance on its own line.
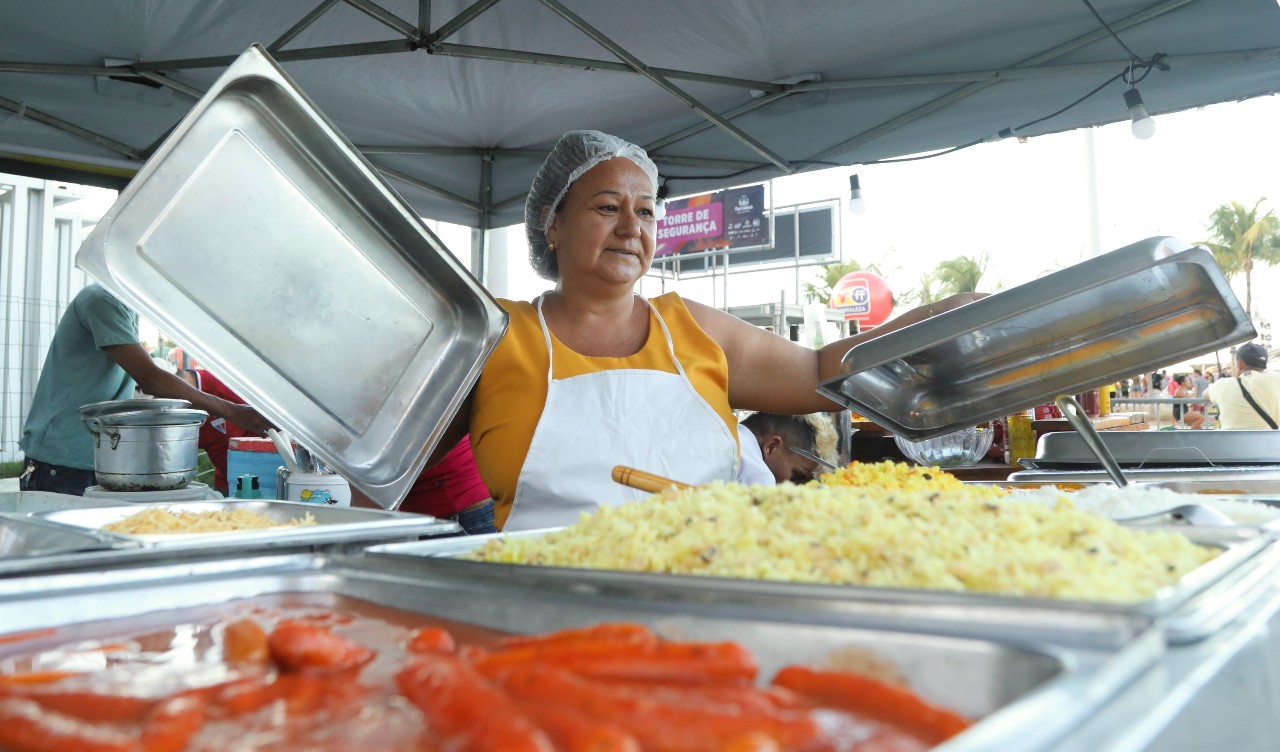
[95, 356]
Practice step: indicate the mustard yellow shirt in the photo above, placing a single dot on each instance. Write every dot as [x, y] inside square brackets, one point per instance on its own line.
[513, 388]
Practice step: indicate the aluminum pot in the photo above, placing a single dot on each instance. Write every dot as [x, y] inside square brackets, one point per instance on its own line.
[145, 450]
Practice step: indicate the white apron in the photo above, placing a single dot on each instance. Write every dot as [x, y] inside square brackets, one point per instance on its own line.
[650, 420]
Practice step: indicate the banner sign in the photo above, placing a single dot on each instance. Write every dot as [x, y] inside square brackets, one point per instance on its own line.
[724, 220]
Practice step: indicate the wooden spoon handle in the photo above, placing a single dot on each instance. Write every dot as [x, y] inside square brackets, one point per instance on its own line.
[639, 479]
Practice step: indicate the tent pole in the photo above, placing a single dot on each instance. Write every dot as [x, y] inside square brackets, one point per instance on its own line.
[424, 18]
[385, 17]
[479, 239]
[23, 111]
[428, 187]
[301, 25]
[457, 22]
[667, 86]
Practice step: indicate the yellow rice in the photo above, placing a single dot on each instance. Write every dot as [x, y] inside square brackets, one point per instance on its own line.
[909, 535]
[155, 521]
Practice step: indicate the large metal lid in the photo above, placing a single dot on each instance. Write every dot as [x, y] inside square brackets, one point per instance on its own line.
[130, 405]
[259, 237]
[1146, 305]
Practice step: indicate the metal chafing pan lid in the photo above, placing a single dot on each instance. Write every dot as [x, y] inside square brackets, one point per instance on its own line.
[176, 417]
[259, 237]
[1155, 302]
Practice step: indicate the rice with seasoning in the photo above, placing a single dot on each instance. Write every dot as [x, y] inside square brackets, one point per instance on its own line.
[966, 539]
[157, 521]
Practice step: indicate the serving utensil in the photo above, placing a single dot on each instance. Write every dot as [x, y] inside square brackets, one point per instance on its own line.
[1192, 514]
[827, 466]
[1075, 415]
[640, 480]
[286, 453]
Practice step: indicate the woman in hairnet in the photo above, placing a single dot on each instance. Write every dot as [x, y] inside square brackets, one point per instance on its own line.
[591, 375]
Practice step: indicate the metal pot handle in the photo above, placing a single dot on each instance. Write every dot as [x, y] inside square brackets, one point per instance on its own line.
[91, 423]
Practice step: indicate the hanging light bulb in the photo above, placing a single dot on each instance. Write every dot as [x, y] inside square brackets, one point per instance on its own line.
[856, 204]
[1141, 124]
[660, 206]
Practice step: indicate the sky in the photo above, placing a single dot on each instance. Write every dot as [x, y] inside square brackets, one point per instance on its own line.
[1026, 205]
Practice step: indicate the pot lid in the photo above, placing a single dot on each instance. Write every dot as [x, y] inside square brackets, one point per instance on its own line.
[178, 417]
[130, 405]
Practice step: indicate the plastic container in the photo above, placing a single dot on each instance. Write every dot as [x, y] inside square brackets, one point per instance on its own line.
[250, 455]
[1022, 439]
[319, 488]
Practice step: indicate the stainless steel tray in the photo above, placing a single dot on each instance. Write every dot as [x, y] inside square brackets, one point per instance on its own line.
[24, 537]
[1148, 304]
[26, 502]
[1026, 695]
[333, 524]
[1066, 450]
[1060, 621]
[259, 237]
[1253, 475]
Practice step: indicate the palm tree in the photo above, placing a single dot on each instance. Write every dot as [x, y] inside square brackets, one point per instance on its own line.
[1240, 237]
[925, 294]
[820, 292]
[960, 274]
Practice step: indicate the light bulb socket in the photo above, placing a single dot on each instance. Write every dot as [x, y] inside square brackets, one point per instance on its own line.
[1133, 99]
[856, 204]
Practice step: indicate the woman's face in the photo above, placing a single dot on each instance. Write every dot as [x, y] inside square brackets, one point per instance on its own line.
[605, 230]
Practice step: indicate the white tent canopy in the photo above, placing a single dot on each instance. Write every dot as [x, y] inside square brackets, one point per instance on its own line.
[458, 102]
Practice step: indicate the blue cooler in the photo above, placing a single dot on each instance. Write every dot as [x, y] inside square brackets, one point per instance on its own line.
[250, 455]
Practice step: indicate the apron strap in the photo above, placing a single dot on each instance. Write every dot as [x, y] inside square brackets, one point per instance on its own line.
[666, 333]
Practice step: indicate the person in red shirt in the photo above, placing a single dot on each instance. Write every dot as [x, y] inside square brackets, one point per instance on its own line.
[452, 489]
[216, 433]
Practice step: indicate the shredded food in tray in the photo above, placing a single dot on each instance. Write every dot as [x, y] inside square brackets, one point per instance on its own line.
[157, 521]
[907, 534]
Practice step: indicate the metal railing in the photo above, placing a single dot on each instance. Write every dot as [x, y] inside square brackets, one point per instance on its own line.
[1156, 402]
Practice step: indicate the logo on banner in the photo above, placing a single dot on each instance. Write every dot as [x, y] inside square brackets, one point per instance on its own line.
[864, 297]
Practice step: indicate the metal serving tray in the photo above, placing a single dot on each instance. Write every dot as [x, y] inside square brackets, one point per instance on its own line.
[1253, 476]
[1060, 621]
[25, 537]
[259, 237]
[1154, 302]
[333, 524]
[1027, 696]
[26, 502]
[1067, 450]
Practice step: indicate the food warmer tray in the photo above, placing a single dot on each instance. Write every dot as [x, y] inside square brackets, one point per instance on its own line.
[1027, 695]
[1067, 450]
[26, 502]
[22, 538]
[1206, 589]
[335, 528]
[260, 238]
[1154, 302]
[1256, 477]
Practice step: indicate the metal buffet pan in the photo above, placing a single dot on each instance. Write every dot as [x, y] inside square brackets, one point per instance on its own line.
[1254, 476]
[336, 528]
[1026, 695]
[26, 502]
[24, 537]
[258, 236]
[1066, 450]
[1154, 302]
[1061, 621]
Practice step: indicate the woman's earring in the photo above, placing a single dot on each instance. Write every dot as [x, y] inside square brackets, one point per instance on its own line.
[552, 246]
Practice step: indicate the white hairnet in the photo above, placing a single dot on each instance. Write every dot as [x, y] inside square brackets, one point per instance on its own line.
[574, 154]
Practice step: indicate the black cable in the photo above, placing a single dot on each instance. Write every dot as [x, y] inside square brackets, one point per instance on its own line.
[1100, 87]
[1110, 31]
